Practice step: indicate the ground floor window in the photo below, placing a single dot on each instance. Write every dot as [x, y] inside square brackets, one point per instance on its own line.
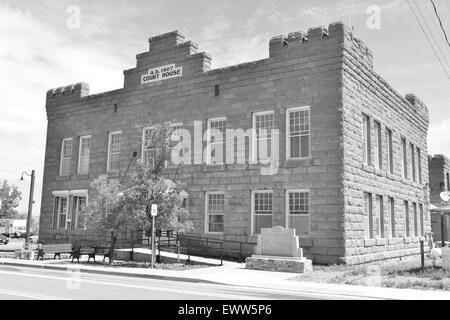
[415, 224]
[368, 215]
[422, 233]
[406, 209]
[262, 210]
[60, 213]
[298, 215]
[215, 209]
[78, 212]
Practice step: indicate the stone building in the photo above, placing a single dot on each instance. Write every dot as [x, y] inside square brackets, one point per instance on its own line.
[350, 174]
[439, 170]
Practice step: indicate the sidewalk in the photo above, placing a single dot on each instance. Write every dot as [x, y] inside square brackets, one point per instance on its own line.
[232, 273]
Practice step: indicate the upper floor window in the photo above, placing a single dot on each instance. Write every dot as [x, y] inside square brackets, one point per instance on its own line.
[66, 156]
[216, 140]
[448, 181]
[413, 161]
[263, 123]
[298, 215]
[390, 155]
[298, 132]
[419, 165]
[115, 141]
[378, 145]
[83, 155]
[176, 137]
[404, 159]
[366, 147]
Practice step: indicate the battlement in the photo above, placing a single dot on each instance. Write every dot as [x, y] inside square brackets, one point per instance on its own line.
[440, 158]
[73, 91]
[165, 41]
[336, 35]
[418, 105]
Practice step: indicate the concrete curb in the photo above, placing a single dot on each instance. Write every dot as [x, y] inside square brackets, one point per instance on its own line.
[113, 273]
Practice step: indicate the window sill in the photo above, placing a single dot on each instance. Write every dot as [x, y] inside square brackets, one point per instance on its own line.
[63, 177]
[114, 174]
[81, 176]
[295, 162]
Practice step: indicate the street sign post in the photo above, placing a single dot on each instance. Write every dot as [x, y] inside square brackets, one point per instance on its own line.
[154, 213]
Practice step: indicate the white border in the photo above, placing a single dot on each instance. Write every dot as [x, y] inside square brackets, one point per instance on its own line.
[288, 132]
[207, 193]
[254, 133]
[286, 195]
[252, 214]
[109, 147]
[208, 139]
[62, 152]
[79, 152]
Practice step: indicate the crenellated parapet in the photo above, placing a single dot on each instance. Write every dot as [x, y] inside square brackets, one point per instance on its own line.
[336, 36]
[67, 93]
[418, 105]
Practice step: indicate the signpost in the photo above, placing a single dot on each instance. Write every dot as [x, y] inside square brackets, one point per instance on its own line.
[154, 212]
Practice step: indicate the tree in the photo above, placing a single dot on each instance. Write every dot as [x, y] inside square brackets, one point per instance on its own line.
[148, 186]
[10, 198]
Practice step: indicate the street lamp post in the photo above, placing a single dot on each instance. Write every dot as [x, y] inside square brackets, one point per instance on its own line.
[30, 206]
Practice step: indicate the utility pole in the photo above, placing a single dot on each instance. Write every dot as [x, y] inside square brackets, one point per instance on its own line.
[30, 209]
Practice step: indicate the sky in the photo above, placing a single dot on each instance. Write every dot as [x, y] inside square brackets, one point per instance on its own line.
[42, 46]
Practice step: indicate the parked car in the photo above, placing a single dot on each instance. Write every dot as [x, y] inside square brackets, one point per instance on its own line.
[33, 238]
[4, 240]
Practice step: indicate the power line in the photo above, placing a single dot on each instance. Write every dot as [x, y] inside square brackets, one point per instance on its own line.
[440, 23]
[428, 39]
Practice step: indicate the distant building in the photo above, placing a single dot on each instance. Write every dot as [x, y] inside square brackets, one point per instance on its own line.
[351, 176]
[439, 169]
[11, 226]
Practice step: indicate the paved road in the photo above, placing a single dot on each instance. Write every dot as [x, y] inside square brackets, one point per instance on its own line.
[31, 283]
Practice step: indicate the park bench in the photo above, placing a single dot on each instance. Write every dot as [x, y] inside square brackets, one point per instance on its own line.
[55, 249]
[91, 252]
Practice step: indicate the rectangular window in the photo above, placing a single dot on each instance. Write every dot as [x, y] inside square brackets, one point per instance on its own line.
[298, 215]
[83, 154]
[262, 210]
[148, 147]
[298, 132]
[404, 159]
[392, 215]
[390, 155]
[378, 145]
[175, 139]
[217, 140]
[406, 209]
[448, 181]
[66, 156]
[263, 124]
[416, 231]
[78, 212]
[215, 209]
[422, 233]
[366, 147]
[419, 165]
[379, 218]
[413, 161]
[61, 212]
[368, 215]
[115, 141]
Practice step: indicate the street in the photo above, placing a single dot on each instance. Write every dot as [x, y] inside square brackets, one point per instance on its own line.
[32, 283]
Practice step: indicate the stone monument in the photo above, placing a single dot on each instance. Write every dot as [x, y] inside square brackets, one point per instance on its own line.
[277, 249]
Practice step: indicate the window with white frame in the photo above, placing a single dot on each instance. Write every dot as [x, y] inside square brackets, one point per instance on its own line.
[378, 161]
[217, 139]
[83, 154]
[366, 143]
[262, 210]
[149, 147]
[215, 210]
[404, 159]
[413, 161]
[378, 219]
[298, 132]
[392, 215]
[78, 212]
[415, 221]
[176, 138]
[263, 124]
[60, 212]
[390, 155]
[115, 141]
[66, 156]
[298, 214]
[406, 213]
[368, 215]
